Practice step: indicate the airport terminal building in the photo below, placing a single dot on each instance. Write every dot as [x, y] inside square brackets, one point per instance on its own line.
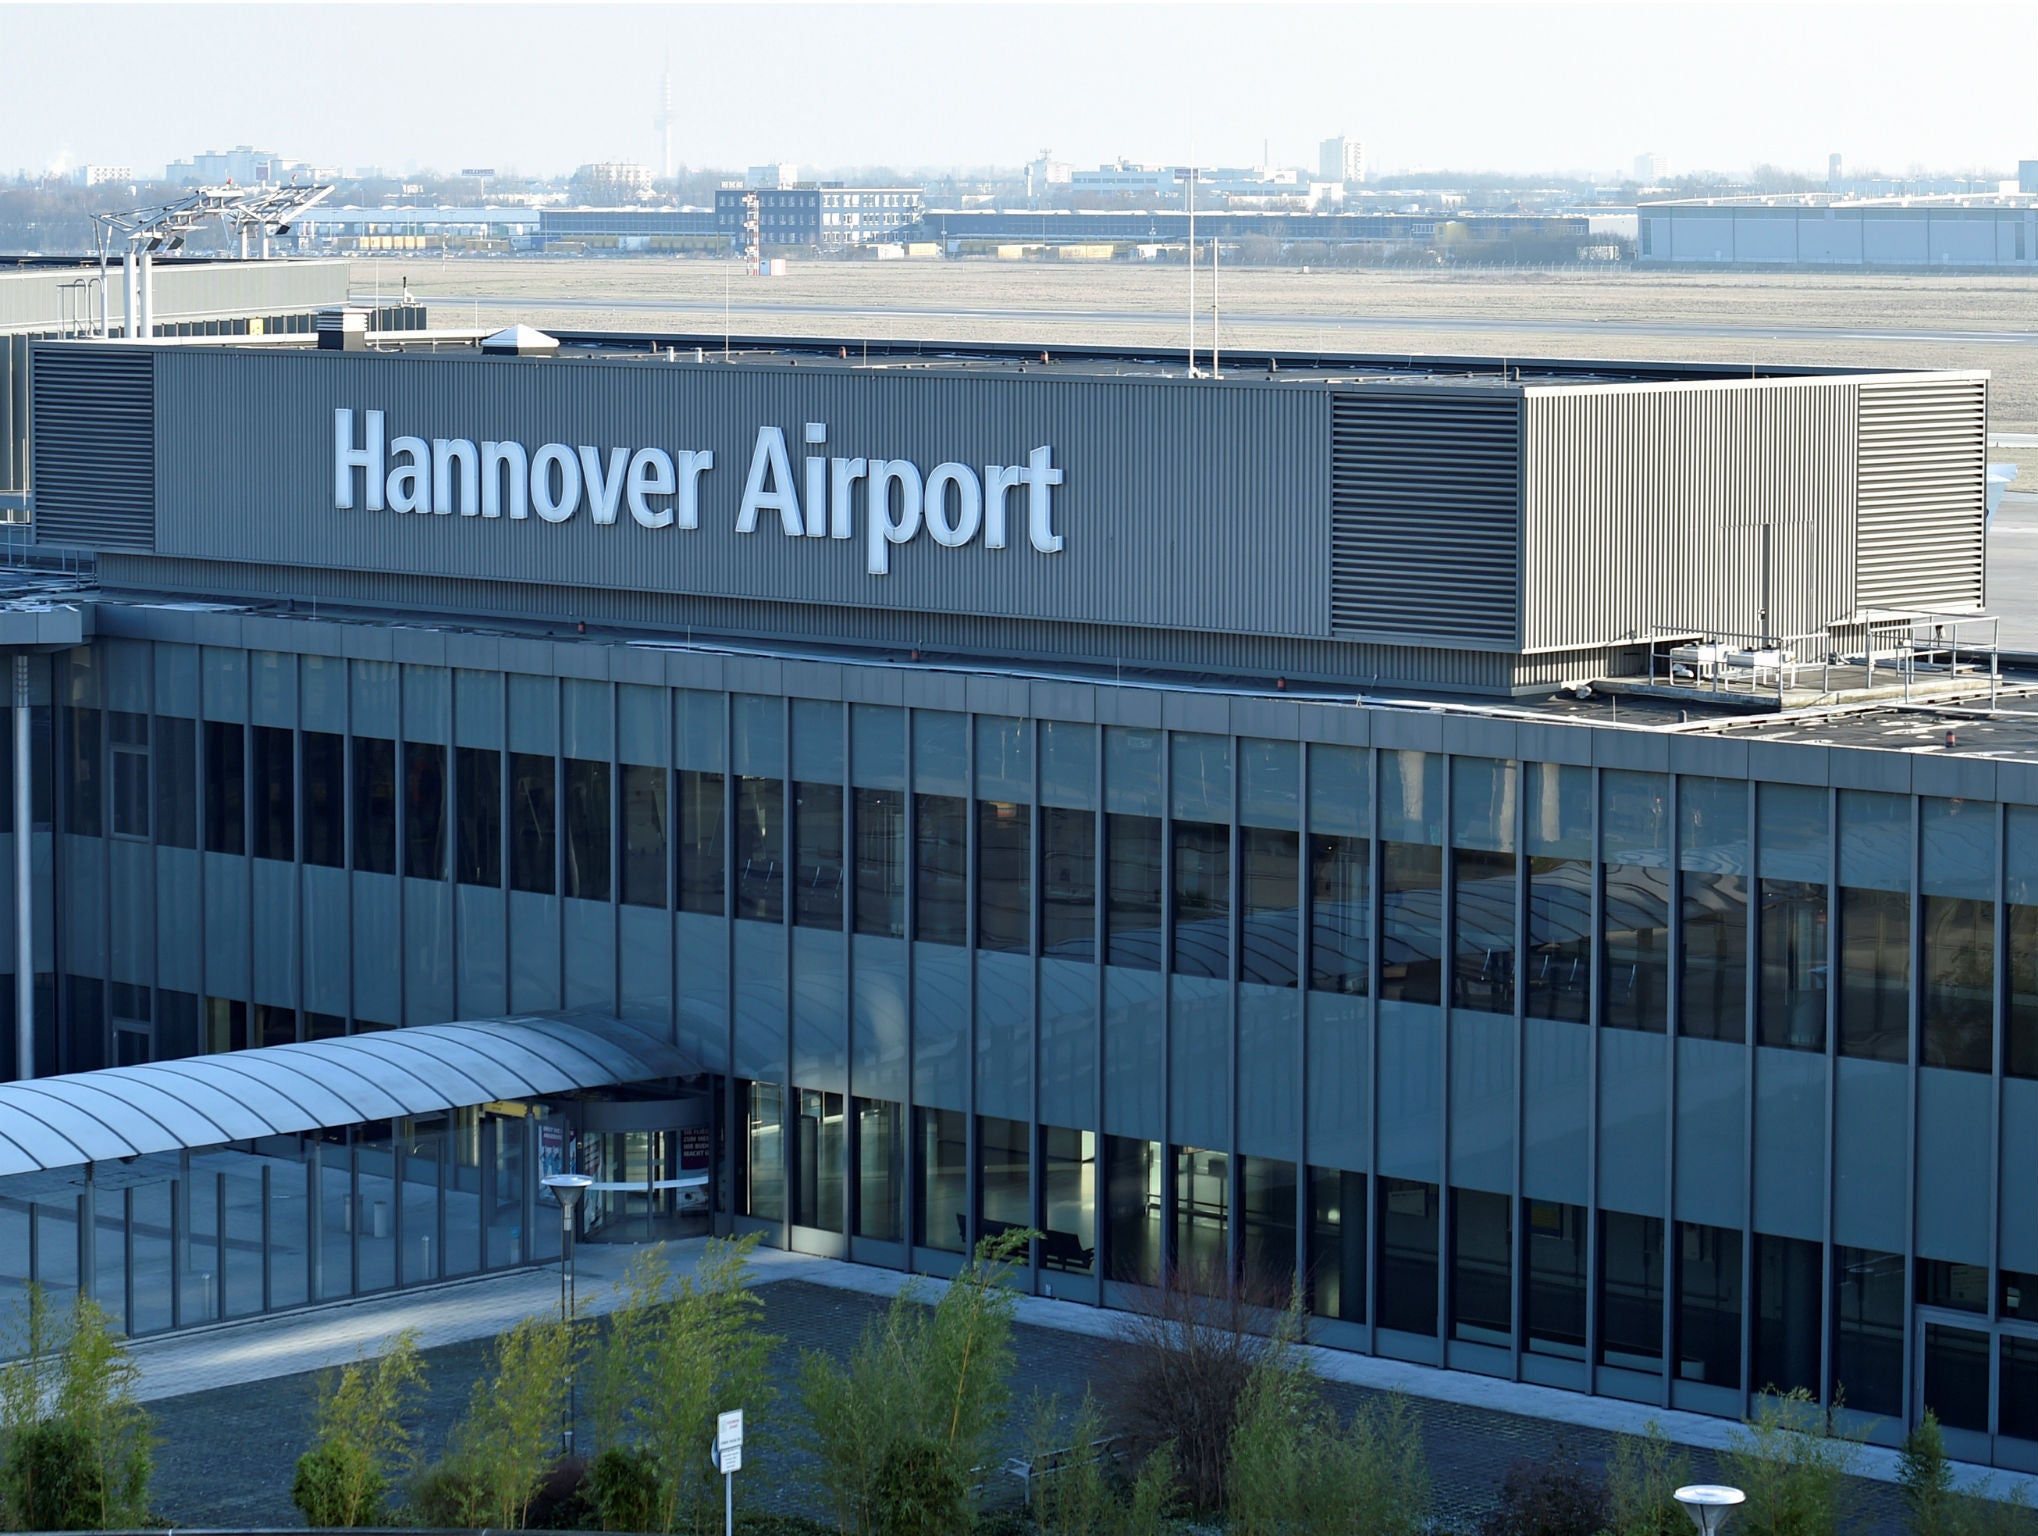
[1540, 853]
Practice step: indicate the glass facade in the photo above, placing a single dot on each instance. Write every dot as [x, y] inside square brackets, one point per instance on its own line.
[1173, 997]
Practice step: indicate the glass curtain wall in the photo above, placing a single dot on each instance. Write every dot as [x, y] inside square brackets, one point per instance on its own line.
[1200, 922]
[1713, 854]
[1338, 1225]
[1558, 834]
[1554, 1298]
[1792, 865]
[1875, 925]
[1270, 863]
[1709, 1304]
[1411, 878]
[1407, 1263]
[1635, 939]
[880, 1170]
[1133, 839]
[1483, 884]
[1068, 841]
[1957, 933]
[2020, 914]
[1340, 867]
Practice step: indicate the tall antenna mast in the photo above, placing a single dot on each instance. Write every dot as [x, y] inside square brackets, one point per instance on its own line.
[662, 121]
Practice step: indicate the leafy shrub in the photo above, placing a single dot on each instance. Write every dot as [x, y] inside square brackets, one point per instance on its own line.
[1553, 1496]
[53, 1478]
[622, 1486]
[1792, 1468]
[359, 1442]
[338, 1487]
[561, 1502]
[499, 1455]
[920, 1490]
[1642, 1476]
[80, 1447]
[446, 1495]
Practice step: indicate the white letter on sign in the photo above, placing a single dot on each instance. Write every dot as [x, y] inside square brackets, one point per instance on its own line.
[651, 475]
[883, 530]
[768, 458]
[969, 505]
[347, 458]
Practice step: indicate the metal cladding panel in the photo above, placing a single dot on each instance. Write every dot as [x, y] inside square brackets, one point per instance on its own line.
[1425, 516]
[1644, 507]
[1184, 505]
[35, 300]
[1923, 492]
[93, 452]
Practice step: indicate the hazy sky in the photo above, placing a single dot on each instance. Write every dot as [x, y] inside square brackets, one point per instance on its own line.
[542, 88]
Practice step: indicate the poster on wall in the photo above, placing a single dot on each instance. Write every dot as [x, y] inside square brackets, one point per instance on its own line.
[551, 1150]
[696, 1147]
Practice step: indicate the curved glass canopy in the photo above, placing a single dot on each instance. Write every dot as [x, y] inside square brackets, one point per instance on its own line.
[279, 1090]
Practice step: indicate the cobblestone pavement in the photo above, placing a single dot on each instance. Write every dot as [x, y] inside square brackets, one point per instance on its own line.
[233, 1404]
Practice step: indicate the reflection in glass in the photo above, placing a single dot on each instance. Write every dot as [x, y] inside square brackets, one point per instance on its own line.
[1132, 1205]
[644, 835]
[1068, 882]
[1784, 1348]
[1202, 1218]
[881, 862]
[1713, 1000]
[374, 805]
[588, 831]
[1555, 1295]
[1004, 893]
[1267, 1196]
[176, 775]
[1875, 974]
[1791, 1006]
[1709, 1304]
[1411, 922]
[1068, 1198]
[1559, 974]
[532, 829]
[1337, 1244]
[760, 849]
[1132, 887]
[1956, 1001]
[823, 1135]
[1004, 1174]
[941, 1198]
[1202, 910]
[1270, 929]
[1637, 948]
[817, 855]
[1631, 1291]
[324, 832]
[1482, 1267]
[762, 1193]
[1868, 1334]
[1956, 1377]
[880, 1164]
[703, 855]
[1338, 948]
[424, 810]
[1482, 972]
[1408, 1256]
[941, 869]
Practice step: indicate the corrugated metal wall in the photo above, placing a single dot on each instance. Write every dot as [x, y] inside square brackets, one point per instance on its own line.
[1643, 506]
[13, 412]
[32, 299]
[95, 446]
[1923, 489]
[1425, 516]
[1185, 506]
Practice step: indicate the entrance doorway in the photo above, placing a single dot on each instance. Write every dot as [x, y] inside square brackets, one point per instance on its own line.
[1982, 1383]
[648, 1185]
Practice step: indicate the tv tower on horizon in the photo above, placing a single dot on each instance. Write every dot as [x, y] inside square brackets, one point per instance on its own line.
[663, 121]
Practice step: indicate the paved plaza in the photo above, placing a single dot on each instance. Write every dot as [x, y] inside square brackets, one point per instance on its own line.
[233, 1402]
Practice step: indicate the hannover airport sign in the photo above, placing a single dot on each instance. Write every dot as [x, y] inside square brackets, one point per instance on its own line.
[955, 503]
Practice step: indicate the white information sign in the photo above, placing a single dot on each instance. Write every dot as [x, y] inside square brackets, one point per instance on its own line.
[729, 1441]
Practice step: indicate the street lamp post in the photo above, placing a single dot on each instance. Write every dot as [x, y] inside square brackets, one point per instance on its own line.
[1707, 1504]
[567, 1188]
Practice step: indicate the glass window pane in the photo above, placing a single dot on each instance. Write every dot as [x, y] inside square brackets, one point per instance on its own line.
[1132, 876]
[1636, 990]
[1267, 1204]
[1270, 784]
[1555, 1296]
[1788, 1315]
[1068, 881]
[1200, 782]
[533, 825]
[1868, 1334]
[1482, 972]
[1337, 1244]
[1202, 913]
[1068, 1198]
[1957, 999]
[325, 798]
[1875, 974]
[817, 855]
[941, 869]
[84, 793]
[424, 810]
[1411, 922]
[881, 862]
[480, 770]
[1132, 1203]
[1068, 764]
[275, 793]
[129, 734]
[880, 1162]
[1408, 1256]
[646, 849]
[226, 780]
[703, 859]
[1202, 1219]
[1340, 794]
[1559, 937]
[823, 1148]
[1482, 1267]
[1634, 817]
[1713, 989]
[2017, 1390]
[1709, 1304]
[374, 805]
[760, 849]
[1956, 1377]
[1004, 1175]
[941, 1200]
[1714, 837]
[588, 829]
[1270, 929]
[1004, 894]
[1791, 1006]
[1631, 1291]
[1412, 797]
[764, 1153]
[176, 767]
[1339, 951]
[1482, 803]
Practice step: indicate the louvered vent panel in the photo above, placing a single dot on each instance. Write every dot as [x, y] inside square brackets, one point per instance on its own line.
[93, 450]
[1923, 486]
[1425, 528]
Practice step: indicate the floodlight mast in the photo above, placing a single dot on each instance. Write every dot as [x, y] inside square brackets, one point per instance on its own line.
[166, 226]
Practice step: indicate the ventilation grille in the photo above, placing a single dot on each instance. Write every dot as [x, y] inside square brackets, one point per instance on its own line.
[1424, 518]
[94, 447]
[1923, 485]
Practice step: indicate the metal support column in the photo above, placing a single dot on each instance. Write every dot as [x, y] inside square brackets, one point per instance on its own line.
[148, 285]
[130, 313]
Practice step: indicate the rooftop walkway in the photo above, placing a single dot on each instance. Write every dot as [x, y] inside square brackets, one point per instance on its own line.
[260, 1349]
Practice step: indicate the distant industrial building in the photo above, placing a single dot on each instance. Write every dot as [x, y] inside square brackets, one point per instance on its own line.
[628, 229]
[2027, 176]
[1824, 230]
[1651, 168]
[242, 166]
[1163, 226]
[824, 215]
[613, 181]
[104, 175]
[1342, 160]
[778, 174]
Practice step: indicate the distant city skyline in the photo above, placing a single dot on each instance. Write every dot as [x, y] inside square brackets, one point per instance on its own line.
[536, 90]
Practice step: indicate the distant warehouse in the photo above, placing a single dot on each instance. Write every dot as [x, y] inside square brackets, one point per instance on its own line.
[1823, 230]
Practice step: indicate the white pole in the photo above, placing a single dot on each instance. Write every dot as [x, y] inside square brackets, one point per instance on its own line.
[1192, 271]
[24, 883]
[1213, 304]
[148, 275]
[130, 315]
